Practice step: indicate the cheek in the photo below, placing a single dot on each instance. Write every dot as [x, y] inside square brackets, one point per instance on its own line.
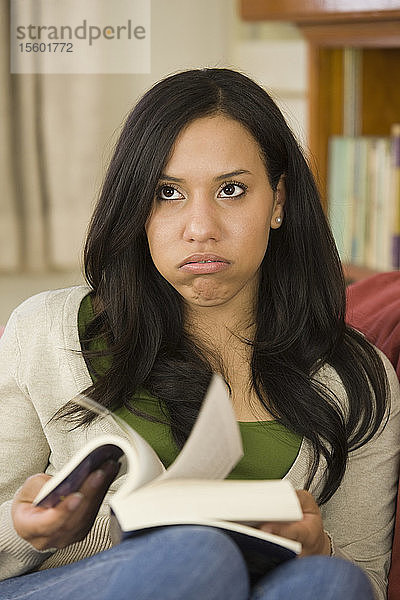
[254, 234]
[258, 248]
[255, 247]
[154, 236]
[160, 238]
[155, 229]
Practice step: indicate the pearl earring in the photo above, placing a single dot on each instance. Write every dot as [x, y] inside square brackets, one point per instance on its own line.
[278, 219]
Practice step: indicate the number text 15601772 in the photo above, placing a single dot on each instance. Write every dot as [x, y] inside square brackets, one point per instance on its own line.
[46, 47]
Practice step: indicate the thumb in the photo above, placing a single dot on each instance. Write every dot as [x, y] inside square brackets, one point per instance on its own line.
[31, 487]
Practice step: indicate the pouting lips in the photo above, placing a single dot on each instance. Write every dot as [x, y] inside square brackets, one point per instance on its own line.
[203, 258]
[203, 261]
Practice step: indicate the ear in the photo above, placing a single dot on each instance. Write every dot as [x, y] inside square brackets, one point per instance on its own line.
[279, 203]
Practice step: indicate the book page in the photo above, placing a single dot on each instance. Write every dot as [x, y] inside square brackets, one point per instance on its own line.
[215, 444]
[230, 504]
[232, 500]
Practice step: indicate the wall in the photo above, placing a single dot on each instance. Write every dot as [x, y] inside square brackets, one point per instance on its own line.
[274, 54]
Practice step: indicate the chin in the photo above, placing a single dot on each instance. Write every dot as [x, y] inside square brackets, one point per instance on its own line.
[204, 301]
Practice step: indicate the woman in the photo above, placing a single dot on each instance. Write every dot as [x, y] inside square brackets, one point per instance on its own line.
[208, 251]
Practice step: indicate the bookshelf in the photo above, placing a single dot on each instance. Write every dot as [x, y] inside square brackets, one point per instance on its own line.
[354, 70]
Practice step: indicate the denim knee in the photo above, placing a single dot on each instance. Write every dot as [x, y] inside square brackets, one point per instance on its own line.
[315, 578]
[334, 567]
[170, 563]
[180, 562]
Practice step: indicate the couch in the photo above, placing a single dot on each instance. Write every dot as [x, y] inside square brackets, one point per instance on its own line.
[373, 307]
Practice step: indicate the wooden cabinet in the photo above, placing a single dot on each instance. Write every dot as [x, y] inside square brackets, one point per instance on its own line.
[319, 11]
[332, 27]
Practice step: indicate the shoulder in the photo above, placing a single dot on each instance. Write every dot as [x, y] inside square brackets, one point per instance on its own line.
[51, 302]
[331, 381]
[46, 312]
[394, 386]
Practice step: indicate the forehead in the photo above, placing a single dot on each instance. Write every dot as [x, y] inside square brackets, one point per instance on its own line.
[215, 142]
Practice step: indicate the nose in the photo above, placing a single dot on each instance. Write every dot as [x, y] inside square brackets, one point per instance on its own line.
[201, 221]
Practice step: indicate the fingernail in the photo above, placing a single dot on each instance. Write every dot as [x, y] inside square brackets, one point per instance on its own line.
[111, 468]
[74, 501]
[266, 528]
[96, 478]
[111, 464]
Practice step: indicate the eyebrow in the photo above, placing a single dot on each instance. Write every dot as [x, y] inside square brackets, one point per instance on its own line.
[218, 178]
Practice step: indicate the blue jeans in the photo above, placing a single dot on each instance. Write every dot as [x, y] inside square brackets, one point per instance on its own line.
[187, 563]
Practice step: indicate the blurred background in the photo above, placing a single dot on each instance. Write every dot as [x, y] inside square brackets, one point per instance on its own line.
[57, 131]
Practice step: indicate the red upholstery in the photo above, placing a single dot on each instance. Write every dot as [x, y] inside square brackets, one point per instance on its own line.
[373, 307]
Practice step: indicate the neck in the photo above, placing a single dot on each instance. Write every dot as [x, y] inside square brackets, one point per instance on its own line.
[216, 326]
[220, 334]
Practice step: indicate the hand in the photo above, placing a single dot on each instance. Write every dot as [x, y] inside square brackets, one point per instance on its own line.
[68, 522]
[309, 531]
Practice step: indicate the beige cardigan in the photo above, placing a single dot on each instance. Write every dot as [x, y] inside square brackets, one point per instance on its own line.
[40, 371]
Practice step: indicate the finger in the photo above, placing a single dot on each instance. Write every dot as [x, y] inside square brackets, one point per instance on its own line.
[98, 482]
[81, 508]
[31, 487]
[39, 517]
[307, 502]
[292, 531]
[90, 495]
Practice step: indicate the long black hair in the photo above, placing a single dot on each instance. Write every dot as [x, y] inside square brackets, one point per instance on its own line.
[300, 324]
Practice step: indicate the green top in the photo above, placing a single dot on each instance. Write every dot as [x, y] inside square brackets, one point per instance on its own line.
[269, 448]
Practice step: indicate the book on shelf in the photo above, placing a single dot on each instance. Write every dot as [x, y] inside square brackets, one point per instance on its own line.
[395, 193]
[364, 197]
[340, 191]
[192, 490]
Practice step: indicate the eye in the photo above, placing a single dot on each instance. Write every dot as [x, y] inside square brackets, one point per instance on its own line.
[232, 190]
[168, 192]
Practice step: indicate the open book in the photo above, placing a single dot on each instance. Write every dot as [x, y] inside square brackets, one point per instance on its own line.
[193, 489]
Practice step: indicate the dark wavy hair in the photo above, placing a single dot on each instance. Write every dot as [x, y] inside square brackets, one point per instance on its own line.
[300, 313]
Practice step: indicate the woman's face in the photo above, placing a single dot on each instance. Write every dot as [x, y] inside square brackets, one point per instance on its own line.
[213, 210]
